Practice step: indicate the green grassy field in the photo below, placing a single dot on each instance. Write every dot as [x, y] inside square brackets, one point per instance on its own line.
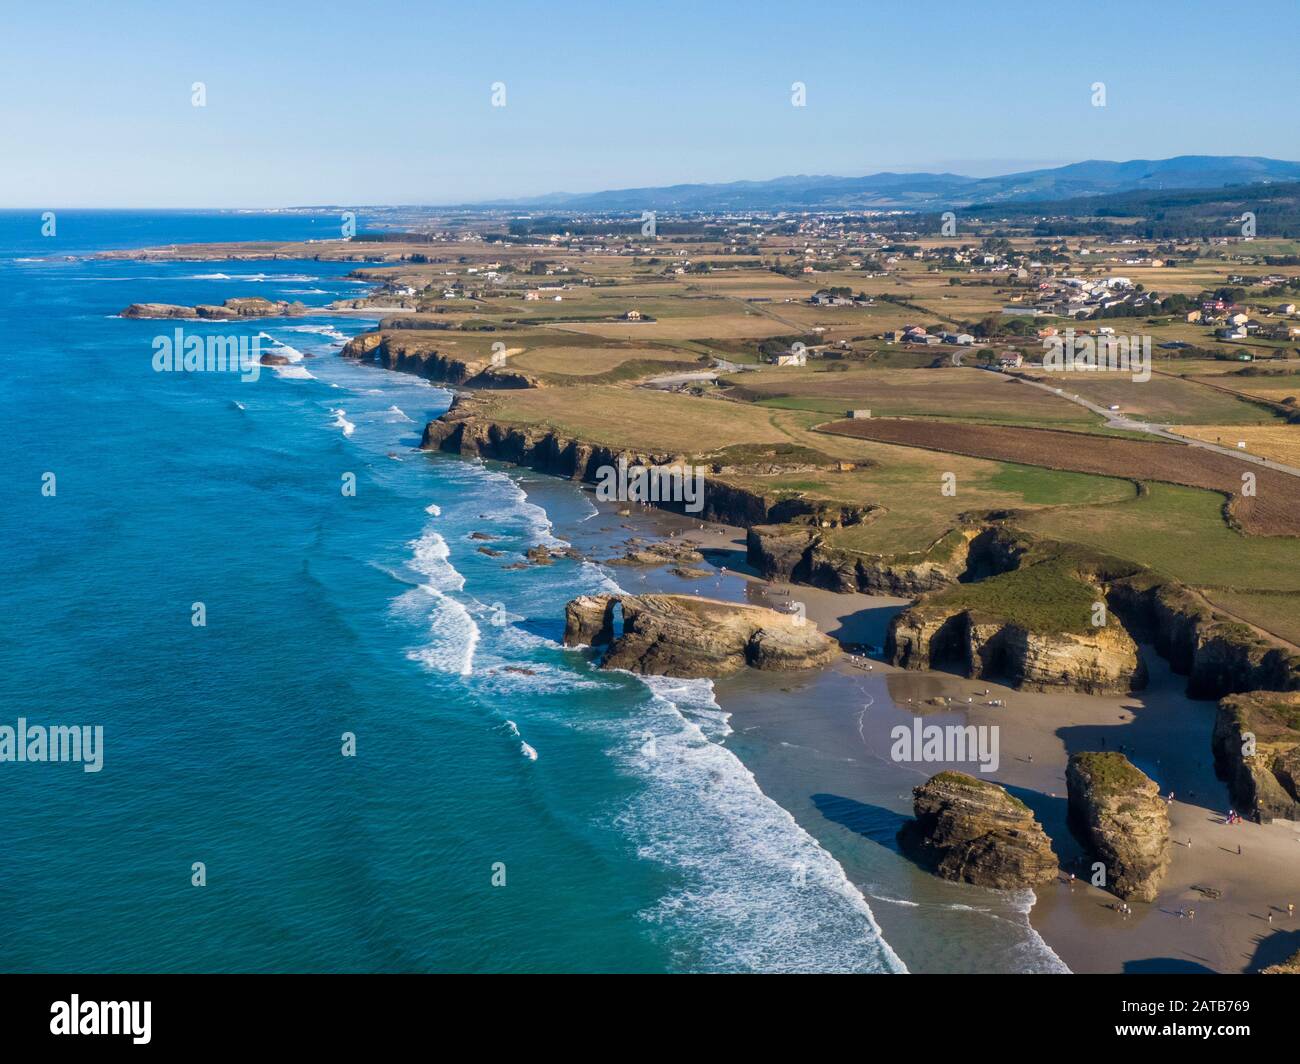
[1179, 532]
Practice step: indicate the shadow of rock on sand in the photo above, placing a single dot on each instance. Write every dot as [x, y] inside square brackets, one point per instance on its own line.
[1052, 813]
[870, 626]
[1274, 949]
[1166, 966]
[872, 822]
[733, 560]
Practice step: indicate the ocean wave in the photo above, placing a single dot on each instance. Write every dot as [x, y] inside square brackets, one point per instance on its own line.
[453, 635]
[341, 421]
[761, 894]
[293, 372]
[524, 748]
[280, 348]
[328, 331]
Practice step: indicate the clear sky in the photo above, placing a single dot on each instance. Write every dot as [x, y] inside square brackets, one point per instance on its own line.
[372, 103]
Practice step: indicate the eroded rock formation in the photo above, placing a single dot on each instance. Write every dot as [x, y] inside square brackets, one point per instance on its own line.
[1118, 813]
[972, 831]
[1097, 661]
[243, 307]
[690, 637]
[1257, 751]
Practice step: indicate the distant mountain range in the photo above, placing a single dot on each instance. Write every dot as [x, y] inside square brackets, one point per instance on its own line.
[925, 191]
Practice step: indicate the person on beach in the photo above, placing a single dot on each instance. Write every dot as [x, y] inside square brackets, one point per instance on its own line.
[1290, 908]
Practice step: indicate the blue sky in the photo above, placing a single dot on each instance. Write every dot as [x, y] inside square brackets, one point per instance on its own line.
[352, 103]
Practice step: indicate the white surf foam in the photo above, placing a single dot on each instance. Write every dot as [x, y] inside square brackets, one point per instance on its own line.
[341, 422]
[328, 331]
[761, 894]
[293, 372]
[453, 635]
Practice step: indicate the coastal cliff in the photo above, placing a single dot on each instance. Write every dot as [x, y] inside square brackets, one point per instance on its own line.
[972, 831]
[1257, 752]
[463, 430]
[690, 637]
[1218, 656]
[1118, 813]
[1101, 661]
[428, 357]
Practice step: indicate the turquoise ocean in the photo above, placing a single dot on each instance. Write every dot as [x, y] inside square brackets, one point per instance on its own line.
[508, 808]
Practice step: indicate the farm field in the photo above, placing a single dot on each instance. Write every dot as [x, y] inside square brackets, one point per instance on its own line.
[951, 391]
[907, 482]
[561, 362]
[1179, 532]
[1275, 510]
[1162, 399]
[1274, 612]
[1278, 441]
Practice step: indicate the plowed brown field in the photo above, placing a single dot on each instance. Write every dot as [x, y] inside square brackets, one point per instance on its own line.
[1274, 510]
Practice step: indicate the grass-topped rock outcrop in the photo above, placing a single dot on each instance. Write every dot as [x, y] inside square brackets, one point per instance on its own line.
[1041, 625]
[690, 637]
[1118, 814]
[972, 831]
[1257, 751]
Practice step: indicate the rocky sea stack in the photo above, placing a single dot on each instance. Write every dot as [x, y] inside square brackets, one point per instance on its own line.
[1117, 812]
[972, 831]
[681, 635]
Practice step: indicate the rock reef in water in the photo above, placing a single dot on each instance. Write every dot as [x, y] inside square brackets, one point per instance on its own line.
[1117, 812]
[690, 637]
[245, 307]
[972, 831]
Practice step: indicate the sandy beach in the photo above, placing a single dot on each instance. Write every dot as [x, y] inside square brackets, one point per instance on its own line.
[819, 744]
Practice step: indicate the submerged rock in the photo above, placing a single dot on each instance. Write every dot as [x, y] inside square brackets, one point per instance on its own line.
[972, 831]
[1117, 812]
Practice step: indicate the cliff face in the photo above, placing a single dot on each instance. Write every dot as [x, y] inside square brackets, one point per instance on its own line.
[973, 831]
[1257, 751]
[420, 355]
[1218, 657]
[681, 635]
[801, 555]
[1100, 661]
[1119, 815]
[461, 431]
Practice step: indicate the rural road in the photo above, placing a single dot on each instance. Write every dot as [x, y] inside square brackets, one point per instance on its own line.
[1128, 424]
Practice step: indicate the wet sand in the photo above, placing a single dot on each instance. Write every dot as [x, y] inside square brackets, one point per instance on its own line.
[819, 744]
